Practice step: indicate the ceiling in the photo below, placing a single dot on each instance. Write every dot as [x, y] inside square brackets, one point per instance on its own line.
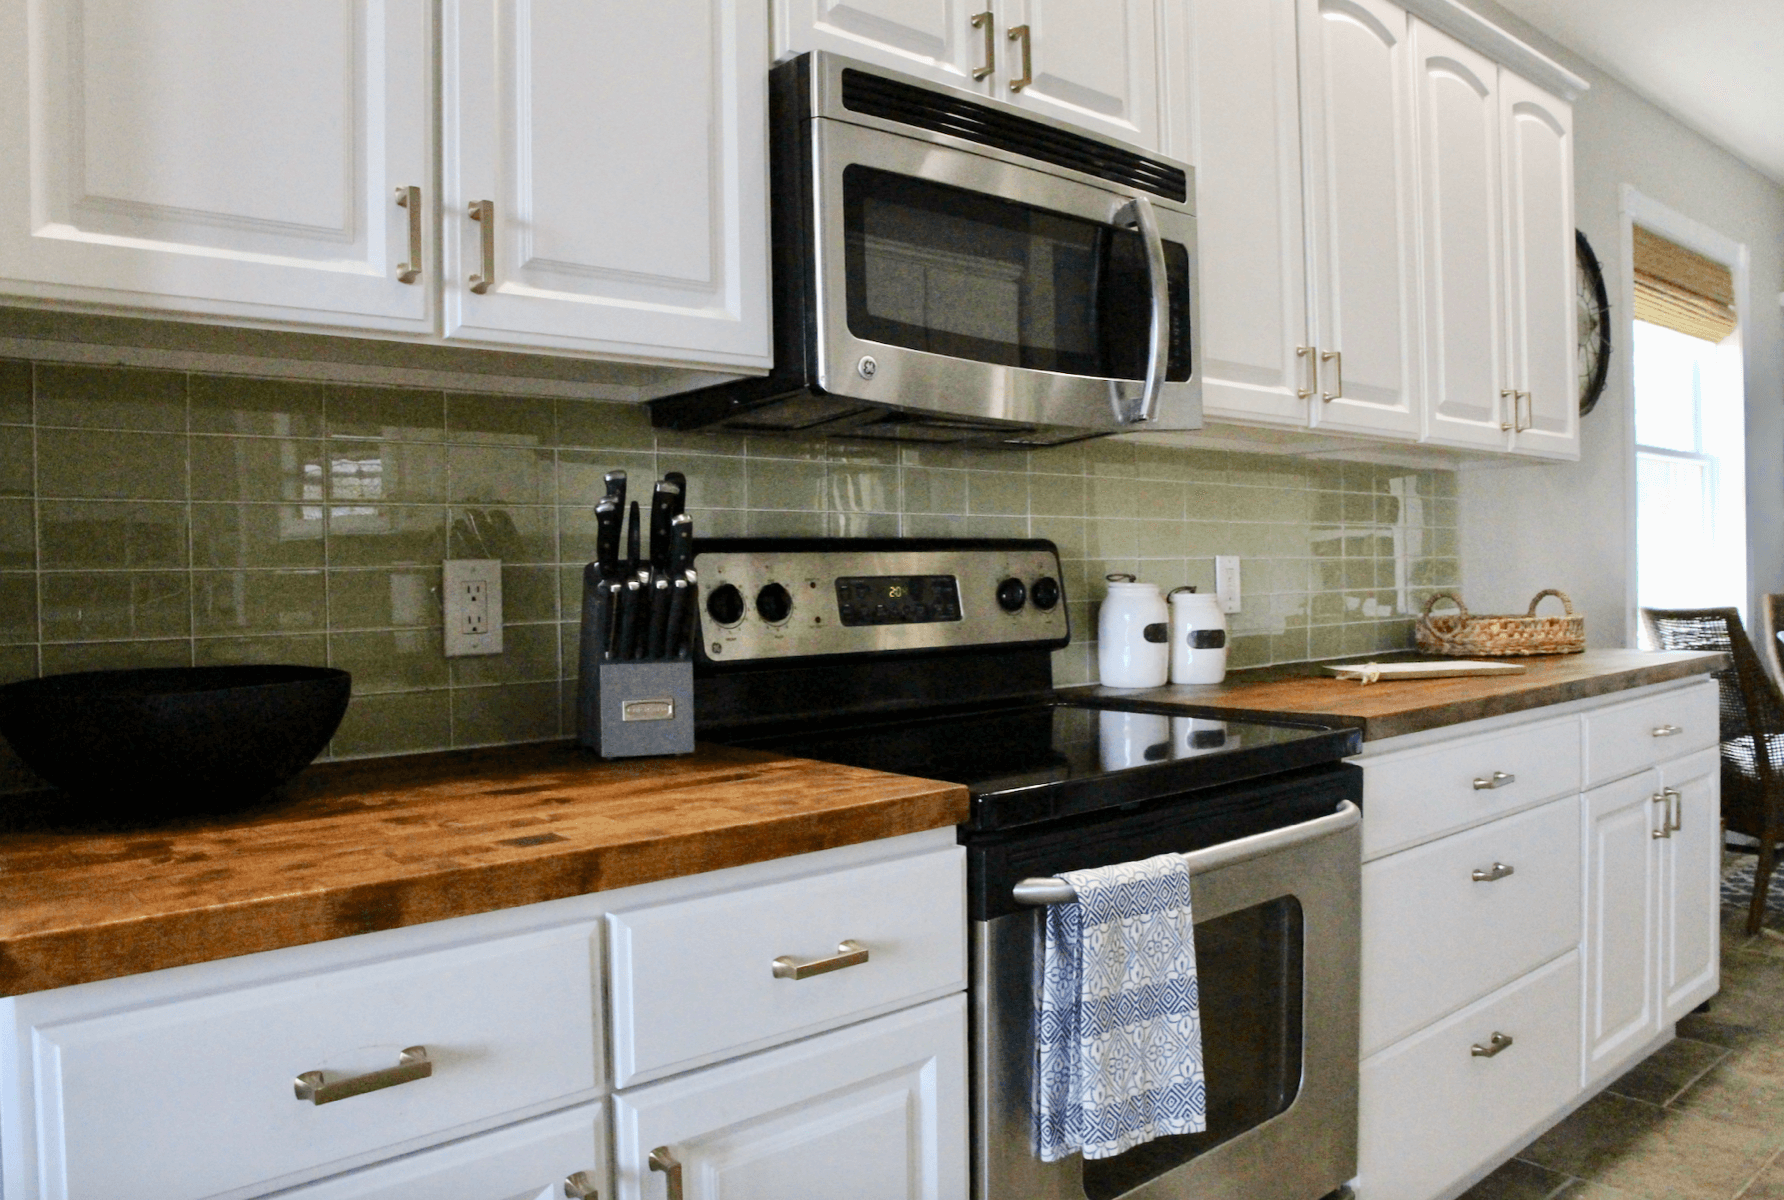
[1716, 65]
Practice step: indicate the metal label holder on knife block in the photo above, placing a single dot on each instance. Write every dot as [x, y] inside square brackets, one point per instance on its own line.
[635, 679]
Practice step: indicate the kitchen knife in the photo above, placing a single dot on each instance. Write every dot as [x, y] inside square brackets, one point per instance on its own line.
[676, 646]
[633, 534]
[681, 545]
[659, 619]
[628, 618]
[615, 589]
[680, 481]
[595, 597]
[615, 482]
[608, 516]
[662, 509]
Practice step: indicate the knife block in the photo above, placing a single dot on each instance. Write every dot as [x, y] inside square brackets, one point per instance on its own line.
[629, 709]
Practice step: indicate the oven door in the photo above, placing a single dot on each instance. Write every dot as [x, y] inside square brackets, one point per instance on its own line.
[1277, 936]
[971, 284]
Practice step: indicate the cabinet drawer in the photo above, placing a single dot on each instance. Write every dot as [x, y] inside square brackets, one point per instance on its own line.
[694, 980]
[1435, 938]
[196, 1097]
[1624, 738]
[1416, 795]
[533, 1158]
[1432, 1112]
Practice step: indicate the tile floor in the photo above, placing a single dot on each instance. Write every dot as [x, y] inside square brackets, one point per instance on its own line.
[1702, 1119]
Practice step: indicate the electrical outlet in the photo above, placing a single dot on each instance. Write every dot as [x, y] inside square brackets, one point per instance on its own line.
[1226, 581]
[473, 590]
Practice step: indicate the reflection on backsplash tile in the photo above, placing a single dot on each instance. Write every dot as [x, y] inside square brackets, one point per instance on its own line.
[159, 518]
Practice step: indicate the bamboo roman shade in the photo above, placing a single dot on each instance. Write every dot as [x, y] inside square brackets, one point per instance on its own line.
[1681, 289]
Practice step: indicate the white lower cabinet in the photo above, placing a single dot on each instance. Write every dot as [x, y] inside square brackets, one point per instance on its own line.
[1524, 941]
[875, 1111]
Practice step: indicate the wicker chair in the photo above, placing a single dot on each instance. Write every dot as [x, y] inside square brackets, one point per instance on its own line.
[1752, 767]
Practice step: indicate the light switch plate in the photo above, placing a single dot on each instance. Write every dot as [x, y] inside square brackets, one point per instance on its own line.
[1226, 581]
[473, 610]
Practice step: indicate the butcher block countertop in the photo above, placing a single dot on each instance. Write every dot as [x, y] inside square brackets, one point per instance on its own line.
[1391, 708]
[356, 847]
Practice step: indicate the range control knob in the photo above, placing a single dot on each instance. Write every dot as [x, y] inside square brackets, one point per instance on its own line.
[1045, 592]
[1011, 595]
[773, 604]
[725, 604]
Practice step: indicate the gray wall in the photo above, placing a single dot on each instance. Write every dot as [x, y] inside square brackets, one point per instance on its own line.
[1564, 526]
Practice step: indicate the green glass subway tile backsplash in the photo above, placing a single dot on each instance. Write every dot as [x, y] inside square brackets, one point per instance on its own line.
[157, 517]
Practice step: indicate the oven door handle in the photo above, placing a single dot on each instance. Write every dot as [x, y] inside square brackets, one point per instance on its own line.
[1138, 212]
[1052, 890]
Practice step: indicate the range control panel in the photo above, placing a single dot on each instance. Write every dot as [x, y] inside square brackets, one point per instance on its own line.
[764, 598]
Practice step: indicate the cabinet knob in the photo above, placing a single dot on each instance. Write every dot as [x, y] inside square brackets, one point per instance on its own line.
[1495, 1044]
[1497, 779]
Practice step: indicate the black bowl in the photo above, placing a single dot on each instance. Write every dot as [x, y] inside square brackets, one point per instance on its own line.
[174, 740]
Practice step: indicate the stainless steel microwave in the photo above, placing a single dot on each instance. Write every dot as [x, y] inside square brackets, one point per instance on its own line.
[950, 269]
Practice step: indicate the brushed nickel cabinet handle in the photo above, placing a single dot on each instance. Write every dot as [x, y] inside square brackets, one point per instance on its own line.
[1497, 872]
[581, 1186]
[412, 1064]
[410, 198]
[984, 21]
[1497, 779]
[1511, 425]
[662, 1160]
[1336, 358]
[1312, 369]
[1675, 807]
[1663, 799]
[1529, 412]
[1019, 33]
[484, 213]
[848, 954]
[1495, 1044]
[1666, 730]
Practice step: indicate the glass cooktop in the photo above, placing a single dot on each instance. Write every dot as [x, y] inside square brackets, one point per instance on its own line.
[1042, 760]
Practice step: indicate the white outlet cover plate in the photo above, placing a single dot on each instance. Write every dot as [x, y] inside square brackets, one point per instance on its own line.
[1226, 581]
[458, 577]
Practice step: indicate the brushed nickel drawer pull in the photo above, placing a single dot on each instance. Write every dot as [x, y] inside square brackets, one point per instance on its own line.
[1497, 779]
[662, 1160]
[1675, 805]
[1511, 425]
[848, 954]
[983, 21]
[581, 1186]
[1312, 357]
[1020, 34]
[1666, 730]
[1336, 358]
[484, 213]
[1663, 797]
[1497, 872]
[410, 198]
[413, 1064]
[1495, 1044]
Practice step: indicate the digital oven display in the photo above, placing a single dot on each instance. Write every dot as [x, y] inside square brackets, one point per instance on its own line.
[897, 599]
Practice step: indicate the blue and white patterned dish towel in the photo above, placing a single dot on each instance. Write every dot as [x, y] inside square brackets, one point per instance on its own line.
[1118, 1026]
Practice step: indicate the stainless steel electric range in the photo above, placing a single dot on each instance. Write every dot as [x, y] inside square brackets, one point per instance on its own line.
[933, 657]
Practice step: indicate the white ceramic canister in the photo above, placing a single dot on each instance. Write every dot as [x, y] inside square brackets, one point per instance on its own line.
[1132, 633]
[1198, 637]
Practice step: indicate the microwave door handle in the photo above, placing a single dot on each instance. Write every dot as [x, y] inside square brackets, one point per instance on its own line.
[1138, 211]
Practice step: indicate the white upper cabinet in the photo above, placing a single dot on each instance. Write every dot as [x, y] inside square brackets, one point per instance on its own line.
[603, 178]
[1458, 111]
[945, 41]
[1096, 64]
[1357, 129]
[221, 159]
[1538, 141]
[1245, 139]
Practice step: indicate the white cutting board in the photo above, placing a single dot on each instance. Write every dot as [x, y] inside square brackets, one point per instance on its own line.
[1374, 672]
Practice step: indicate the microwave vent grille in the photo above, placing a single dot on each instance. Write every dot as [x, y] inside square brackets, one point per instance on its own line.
[890, 100]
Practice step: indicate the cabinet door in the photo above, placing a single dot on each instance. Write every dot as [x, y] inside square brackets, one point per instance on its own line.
[1246, 146]
[1094, 63]
[1691, 886]
[622, 151]
[1356, 99]
[933, 39]
[1622, 919]
[1458, 122]
[876, 1111]
[219, 159]
[1538, 135]
[531, 1159]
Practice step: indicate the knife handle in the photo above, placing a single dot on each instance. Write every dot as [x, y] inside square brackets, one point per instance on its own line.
[681, 482]
[662, 512]
[659, 619]
[676, 644]
[628, 619]
[681, 545]
[607, 523]
[615, 483]
[633, 542]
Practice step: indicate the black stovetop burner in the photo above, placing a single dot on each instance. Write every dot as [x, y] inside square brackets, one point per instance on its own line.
[1050, 757]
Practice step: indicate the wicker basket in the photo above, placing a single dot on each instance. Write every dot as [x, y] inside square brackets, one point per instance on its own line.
[1462, 635]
